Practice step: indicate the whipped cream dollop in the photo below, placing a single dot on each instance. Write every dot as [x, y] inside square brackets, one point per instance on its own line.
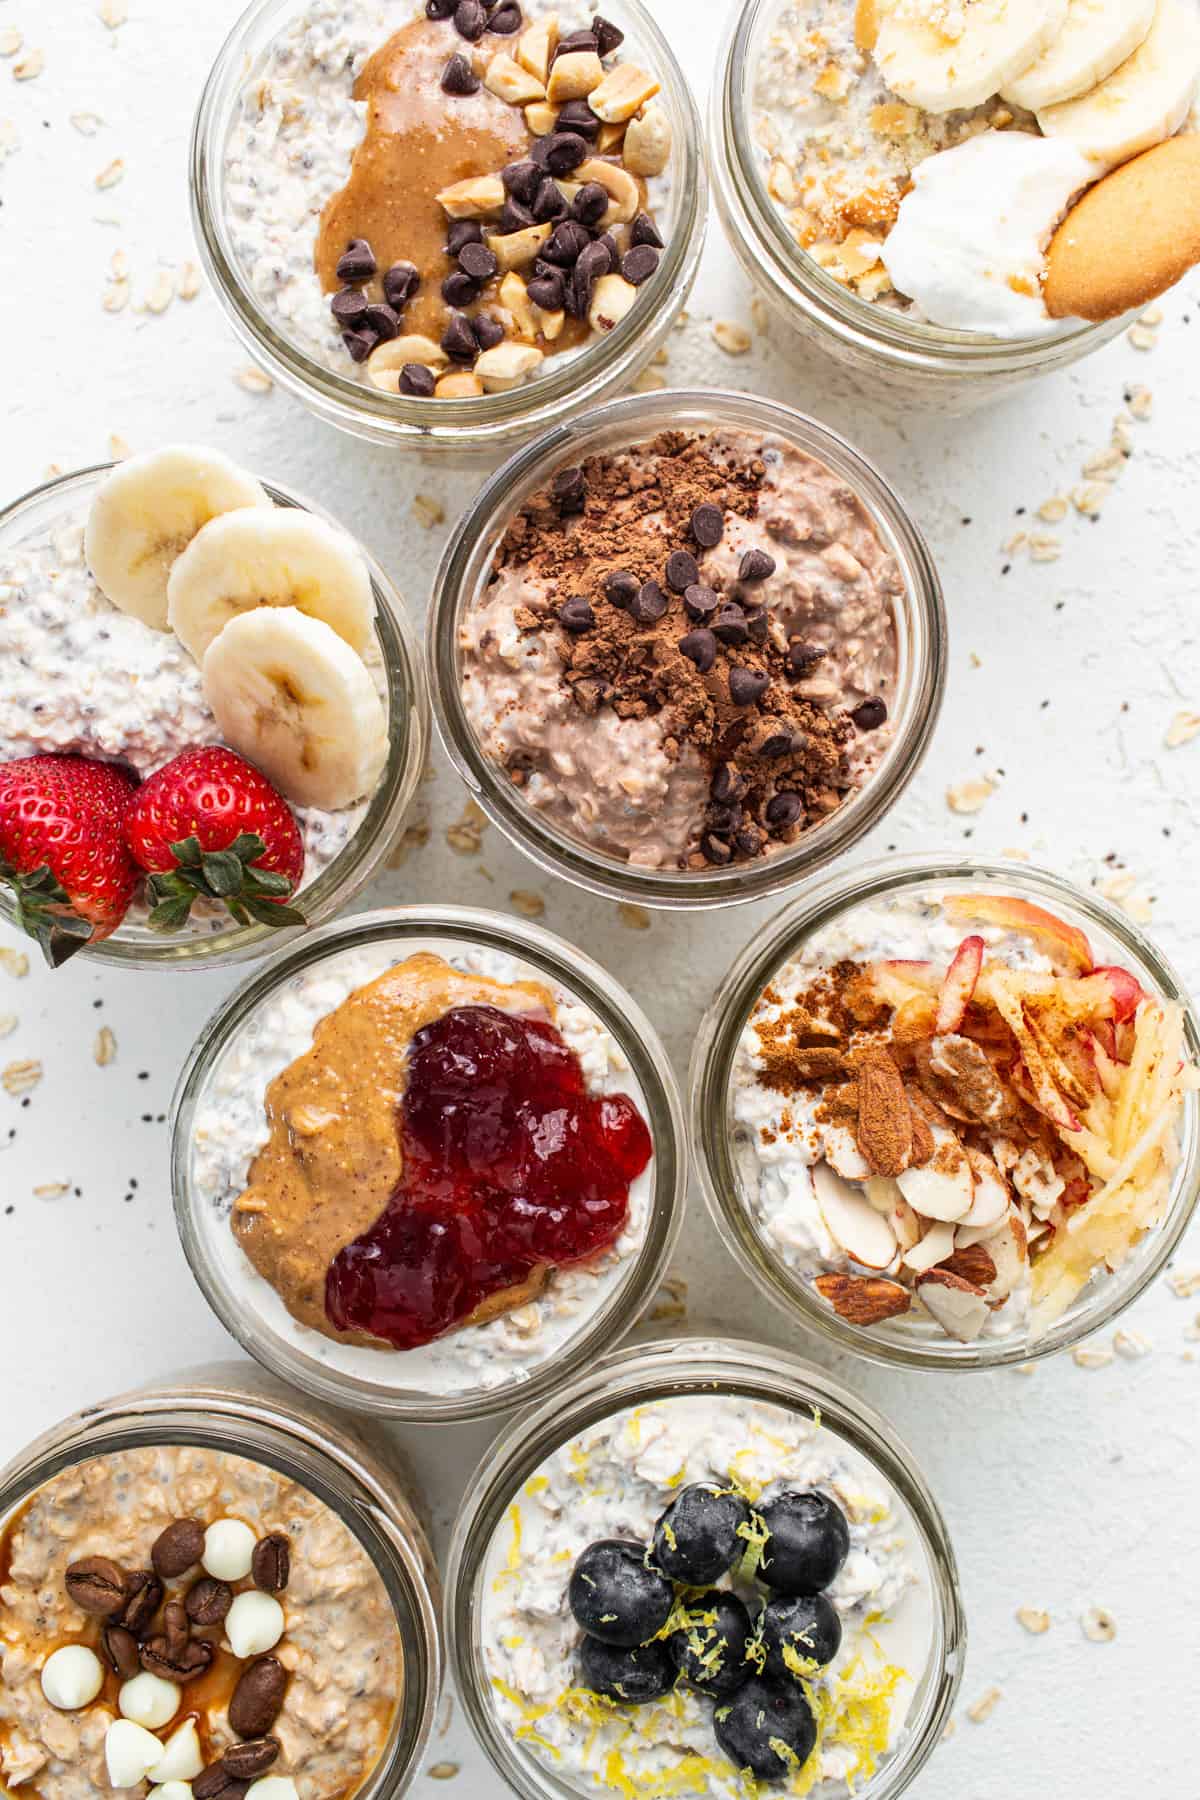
[969, 246]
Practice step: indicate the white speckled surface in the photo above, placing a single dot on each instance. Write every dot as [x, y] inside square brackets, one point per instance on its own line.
[1071, 1488]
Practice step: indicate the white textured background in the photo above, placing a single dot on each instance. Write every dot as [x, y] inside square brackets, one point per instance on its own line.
[1071, 1488]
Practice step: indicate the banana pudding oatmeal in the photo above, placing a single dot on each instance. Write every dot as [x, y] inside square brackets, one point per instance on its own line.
[187, 1621]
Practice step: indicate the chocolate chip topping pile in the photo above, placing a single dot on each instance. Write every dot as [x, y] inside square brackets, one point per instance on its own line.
[647, 623]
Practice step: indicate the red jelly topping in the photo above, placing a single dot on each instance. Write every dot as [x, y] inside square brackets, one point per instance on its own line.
[508, 1163]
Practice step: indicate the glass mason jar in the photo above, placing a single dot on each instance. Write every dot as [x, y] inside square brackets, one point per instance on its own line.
[920, 632]
[227, 1073]
[235, 1409]
[64, 502]
[922, 363]
[467, 429]
[638, 1376]
[911, 1341]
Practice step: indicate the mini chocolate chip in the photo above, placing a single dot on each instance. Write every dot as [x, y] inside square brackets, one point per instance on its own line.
[577, 116]
[97, 1586]
[514, 217]
[730, 625]
[748, 841]
[575, 41]
[649, 604]
[645, 231]
[384, 321]
[251, 1759]
[746, 686]
[400, 283]
[505, 20]
[708, 525]
[459, 78]
[621, 589]
[563, 153]
[550, 204]
[613, 248]
[716, 850]
[565, 243]
[522, 180]
[700, 647]
[459, 290]
[547, 292]
[727, 786]
[778, 744]
[488, 331]
[470, 20]
[569, 488]
[216, 1783]
[639, 264]
[257, 1698]
[682, 571]
[701, 602]
[357, 262]
[349, 306]
[463, 231]
[608, 37]
[576, 615]
[803, 658]
[209, 1601]
[360, 343]
[783, 810]
[145, 1597]
[184, 1664]
[590, 204]
[458, 340]
[756, 565]
[478, 261]
[870, 715]
[178, 1548]
[120, 1651]
[417, 380]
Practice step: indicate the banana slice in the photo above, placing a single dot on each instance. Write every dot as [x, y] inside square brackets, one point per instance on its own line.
[942, 58]
[292, 697]
[1142, 103]
[148, 510]
[281, 558]
[1097, 38]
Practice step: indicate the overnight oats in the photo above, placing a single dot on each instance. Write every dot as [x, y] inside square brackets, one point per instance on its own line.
[700, 1589]
[421, 1169]
[684, 657]
[209, 711]
[953, 1120]
[438, 200]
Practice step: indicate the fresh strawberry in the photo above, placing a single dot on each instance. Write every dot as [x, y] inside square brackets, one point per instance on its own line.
[208, 823]
[62, 850]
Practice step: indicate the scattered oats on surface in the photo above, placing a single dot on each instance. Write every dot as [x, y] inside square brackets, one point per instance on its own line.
[1141, 337]
[10, 139]
[670, 1302]
[1089, 498]
[116, 297]
[30, 66]
[14, 963]
[443, 1771]
[189, 281]
[86, 124]
[522, 900]
[759, 316]
[1119, 886]
[413, 837]
[733, 339]
[105, 1048]
[109, 176]
[661, 358]
[8, 1024]
[10, 41]
[1054, 511]
[975, 660]
[1016, 543]
[1017, 855]
[255, 381]
[1029, 1368]
[1099, 1626]
[1182, 729]
[1132, 1345]
[1141, 403]
[1106, 465]
[1185, 1284]
[1091, 1356]
[466, 835]
[161, 294]
[113, 12]
[649, 382]
[985, 1706]
[21, 1077]
[970, 796]
[52, 1190]
[951, 1726]
[1044, 546]
[1035, 1621]
[427, 511]
[634, 918]
[1153, 317]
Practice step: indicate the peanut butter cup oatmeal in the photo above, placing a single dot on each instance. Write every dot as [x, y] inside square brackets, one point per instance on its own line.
[687, 653]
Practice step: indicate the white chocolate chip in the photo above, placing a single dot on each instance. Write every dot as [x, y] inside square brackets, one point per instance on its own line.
[254, 1624]
[148, 1700]
[228, 1549]
[272, 1787]
[72, 1677]
[130, 1752]
[171, 1790]
[182, 1758]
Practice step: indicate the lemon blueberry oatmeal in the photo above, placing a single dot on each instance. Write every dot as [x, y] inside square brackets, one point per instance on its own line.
[945, 1112]
[440, 197]
[191, 722]
[188, 1622]
[700, 1594]
[931, 155]
[686, 655]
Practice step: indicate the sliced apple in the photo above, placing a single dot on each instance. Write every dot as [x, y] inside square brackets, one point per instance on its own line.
[852, 1221]
[1006, 910]
[934, 1248]
[943, 1188]
[960, 1308]
[1048, 1099]
[896, 981]
[959, 985]
[1127, 992]
[991, 1191]
[1107, 993]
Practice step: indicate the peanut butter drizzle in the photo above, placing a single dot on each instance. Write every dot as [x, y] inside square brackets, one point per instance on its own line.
[333, 1158]
[418, 140]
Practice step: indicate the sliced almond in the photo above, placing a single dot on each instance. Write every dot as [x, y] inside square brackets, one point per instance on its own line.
[905, 1225]
[936, 1245]
[519, 249]
[574, 76]
[623, 92]
[474, 198]
[541, 118]
[884, 1129]
[960, 1308]
[507, 365]
[974, 1265]
[863, 1300]
[843, 1154]
[648, 142]
[624, 196]
[461, 385]
[386, 360]
[991, 1191]
[944, 1188]
[882, 1193]
[612, 300]
[510, 82]
[852, 1221]
[536, 47]
[1009, 1251]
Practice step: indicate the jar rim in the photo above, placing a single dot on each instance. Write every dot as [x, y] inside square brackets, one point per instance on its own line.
[921, 636]
[709, 1083]
[619, 1015]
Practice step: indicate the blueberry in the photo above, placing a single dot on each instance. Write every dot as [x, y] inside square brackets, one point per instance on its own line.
[768, 1730]
[644, 1673]
[710, 1650]
[615, 1597]
[696, 1540]
[804, 1623]
[808, 1540]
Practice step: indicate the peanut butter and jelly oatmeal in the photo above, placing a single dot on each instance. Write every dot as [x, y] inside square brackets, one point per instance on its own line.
[179, 1615]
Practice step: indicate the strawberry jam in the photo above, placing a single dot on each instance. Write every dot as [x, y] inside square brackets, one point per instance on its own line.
[509, 1164]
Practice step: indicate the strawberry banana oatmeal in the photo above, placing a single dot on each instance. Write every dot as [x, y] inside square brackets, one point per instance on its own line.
[945, 1111]
[186, 1622]
[700, 1595]
[427, 1170]
[938, 156]
[443, 197]
[191, 721]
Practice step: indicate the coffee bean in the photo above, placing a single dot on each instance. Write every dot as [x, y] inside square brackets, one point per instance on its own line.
[727, 786]
[522, 180]
[746, 686]
[708, 526]
[682, 571]
[251, 1759]
[639, 264]
[700, 647]
[506, 20]
[563, 153]
[458, 340]
[120, 1651]
[400, 283]
[191, 1660]
[803, 658]
[701, 602]
[749, 841]
[756, 565]
[870, 715]
[577, 116]
[783, 810]
[462, 232]
[349, 306]
[565, 243]
[145, 1597]
[576, 615]
[608, 37]
[477, 261]
[547, 292]
[257, 1698]
[488, 331]
[514, 217]
[209, 1601]
[590, 204]
[417, 380]
[177, 1549]
[177, 1627]
[359, 343]
[357, 262]
[716, 850]
[97, 1586]
[459, 290]
[384, 321]
[778, 744]
[216, 1783]
[730, 626]
[439, 9]
[621, 589]
[569, 488]
[645, 231]
[551, 202]
[470, 20]
[649, 605]
[459, 78]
